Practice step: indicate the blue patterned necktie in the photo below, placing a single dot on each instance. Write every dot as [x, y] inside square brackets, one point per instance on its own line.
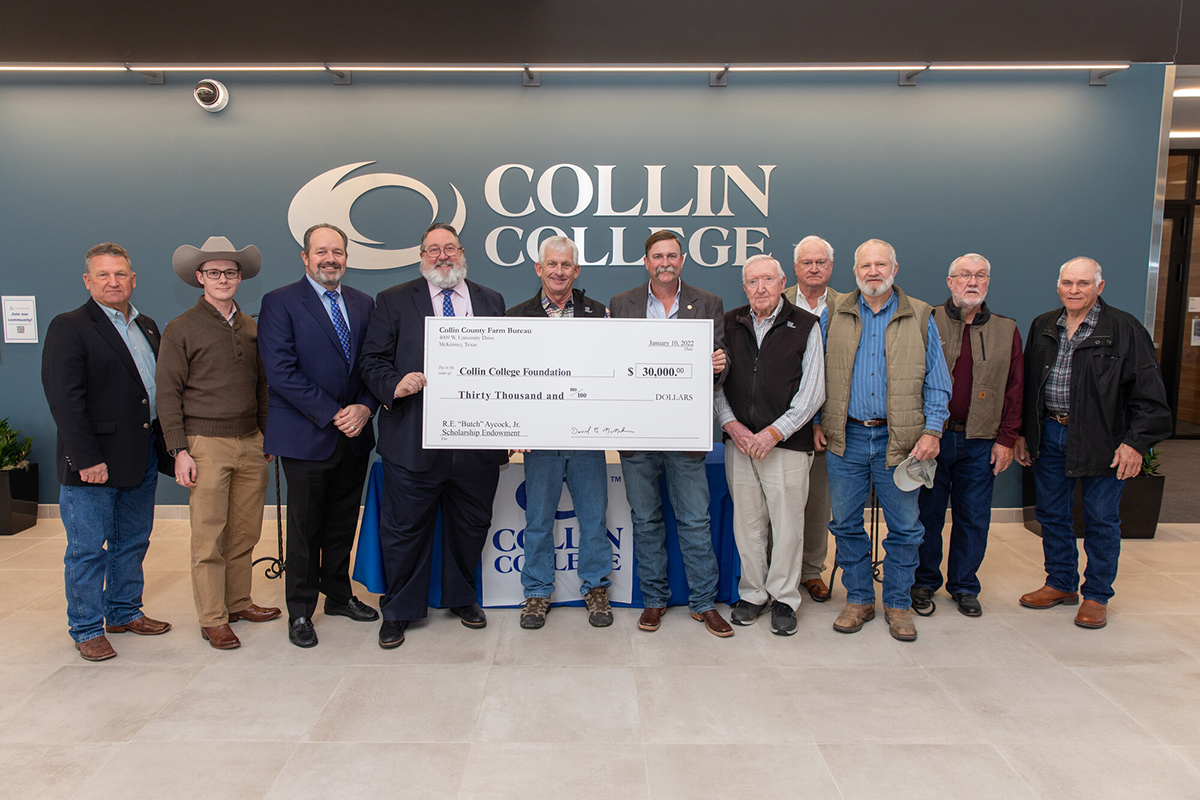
[339, 323]
[447, 306]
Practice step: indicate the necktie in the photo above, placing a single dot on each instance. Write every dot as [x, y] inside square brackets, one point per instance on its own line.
[339, 323]
[447, 306]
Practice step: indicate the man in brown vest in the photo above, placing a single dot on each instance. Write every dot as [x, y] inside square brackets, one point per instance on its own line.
[983, 353]
[886, 389]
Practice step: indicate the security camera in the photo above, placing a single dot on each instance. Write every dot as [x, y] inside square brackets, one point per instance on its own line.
[211, 95]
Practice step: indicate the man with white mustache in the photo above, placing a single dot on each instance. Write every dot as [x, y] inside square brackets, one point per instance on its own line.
[417, 482]
[983, 354]
[887, 388]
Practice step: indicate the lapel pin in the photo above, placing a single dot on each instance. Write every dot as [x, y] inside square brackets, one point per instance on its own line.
[689, 307]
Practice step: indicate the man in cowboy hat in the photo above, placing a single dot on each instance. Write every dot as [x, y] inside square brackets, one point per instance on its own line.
[212, 401]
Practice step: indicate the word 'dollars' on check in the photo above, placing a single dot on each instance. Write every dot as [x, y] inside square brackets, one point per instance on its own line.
[582, 384]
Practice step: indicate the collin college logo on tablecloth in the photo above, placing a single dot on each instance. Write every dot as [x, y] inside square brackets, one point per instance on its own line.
[503, 555]
[566, 191]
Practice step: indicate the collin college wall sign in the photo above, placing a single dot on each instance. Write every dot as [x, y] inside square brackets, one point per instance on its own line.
[582, 196]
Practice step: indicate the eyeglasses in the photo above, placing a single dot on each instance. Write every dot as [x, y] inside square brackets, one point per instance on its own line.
[215, 274]
[768, 281]
[982, 277]
[450, 251]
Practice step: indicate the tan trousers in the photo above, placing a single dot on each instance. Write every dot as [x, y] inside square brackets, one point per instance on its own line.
[768, 513]
[227, 511]
[816, 521]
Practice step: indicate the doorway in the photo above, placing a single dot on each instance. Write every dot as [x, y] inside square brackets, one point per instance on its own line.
[1177, 313]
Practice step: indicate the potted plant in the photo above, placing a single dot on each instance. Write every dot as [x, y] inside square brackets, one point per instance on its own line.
[1141, 501]
[18, 482]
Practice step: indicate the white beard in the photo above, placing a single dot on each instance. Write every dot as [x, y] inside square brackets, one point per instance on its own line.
[445, 280]
[882, 290]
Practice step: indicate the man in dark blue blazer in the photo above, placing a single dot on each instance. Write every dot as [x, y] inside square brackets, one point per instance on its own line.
[416, 481]
[310, 336]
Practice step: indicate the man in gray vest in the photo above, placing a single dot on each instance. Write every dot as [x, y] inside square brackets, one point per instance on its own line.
[813, 262]
[983, 354]
[886, 389]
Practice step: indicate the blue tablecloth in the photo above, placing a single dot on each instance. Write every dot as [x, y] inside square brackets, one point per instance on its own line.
[368, 561]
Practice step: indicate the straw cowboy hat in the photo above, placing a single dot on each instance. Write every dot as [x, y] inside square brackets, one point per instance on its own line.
[187, 259]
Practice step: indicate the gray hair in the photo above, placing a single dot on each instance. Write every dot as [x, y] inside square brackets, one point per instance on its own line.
[811, 240]
[880, 242]
[1092, 261]
[970, 257]
[558, 243]
[106, 249]
[762, 257]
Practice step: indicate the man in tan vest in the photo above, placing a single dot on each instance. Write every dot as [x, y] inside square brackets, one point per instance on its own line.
[887, 388]
[813, 262]
[983, 353]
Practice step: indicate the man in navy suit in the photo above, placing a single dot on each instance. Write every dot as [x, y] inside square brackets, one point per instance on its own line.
[310, 335]
[416, 481]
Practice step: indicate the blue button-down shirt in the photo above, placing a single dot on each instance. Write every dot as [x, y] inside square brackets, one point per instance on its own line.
[868, 384]
[139, 348]
[655, 309]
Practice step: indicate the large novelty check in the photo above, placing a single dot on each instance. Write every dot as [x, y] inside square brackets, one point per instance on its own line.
[568, 384]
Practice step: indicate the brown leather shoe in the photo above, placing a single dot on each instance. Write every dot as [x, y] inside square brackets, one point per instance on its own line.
[1092, 614]
[255, 614]
[221, 637]
[97, 649]
[651, 618]
[900, 623]
[714, 622]
[143, 626]
[853, 616]
[818, 590]
[1046, 597]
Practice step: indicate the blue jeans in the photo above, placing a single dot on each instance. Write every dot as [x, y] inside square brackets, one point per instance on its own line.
[106, 584]
[964, 478]
[687, 484]
[1101, 520]
[851, 474]
[586, 476]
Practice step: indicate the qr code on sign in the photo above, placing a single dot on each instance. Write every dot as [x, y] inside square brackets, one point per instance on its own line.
[20, 329]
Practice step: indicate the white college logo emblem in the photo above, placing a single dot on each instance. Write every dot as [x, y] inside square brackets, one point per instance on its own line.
[324, 199]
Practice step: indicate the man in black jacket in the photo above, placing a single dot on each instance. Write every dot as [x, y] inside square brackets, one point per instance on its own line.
[98, 374]
[775, 385]
[1094, 404]
[584, 471]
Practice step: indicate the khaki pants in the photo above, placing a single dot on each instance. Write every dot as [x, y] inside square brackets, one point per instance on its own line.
[816, 520]
[768, 512]
[226, 510]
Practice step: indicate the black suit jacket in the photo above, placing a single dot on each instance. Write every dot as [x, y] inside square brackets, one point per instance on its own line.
[394, 347]
[97, 398]
[307, 374]
[694, 303]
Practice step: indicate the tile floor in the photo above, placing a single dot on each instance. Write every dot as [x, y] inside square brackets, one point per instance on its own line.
[1016, 704]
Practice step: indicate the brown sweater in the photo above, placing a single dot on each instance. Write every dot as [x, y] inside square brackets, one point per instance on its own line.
[210, 378]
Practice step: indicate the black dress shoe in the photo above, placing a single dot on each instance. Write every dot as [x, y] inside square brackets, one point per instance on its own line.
[922, 598]
[301, 632]
[353, 608]
[391, 633]
[968, 604]
[472, 616]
